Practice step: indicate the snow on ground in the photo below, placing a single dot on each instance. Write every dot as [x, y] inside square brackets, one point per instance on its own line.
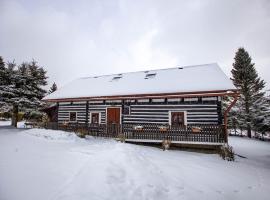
[8, 123]
[5, 123]
[237, 132]
[55, 165]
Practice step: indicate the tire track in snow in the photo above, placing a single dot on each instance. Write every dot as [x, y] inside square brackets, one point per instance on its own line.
[69, 181]
[138, 170]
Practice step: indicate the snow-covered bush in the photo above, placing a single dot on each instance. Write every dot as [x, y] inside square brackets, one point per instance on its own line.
[226, 152]
[34, 116]
[6, 115]
[121, 137]
[166, 144]
[82, 132]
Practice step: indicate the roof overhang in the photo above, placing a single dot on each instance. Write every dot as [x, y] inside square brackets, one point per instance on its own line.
[232, 92]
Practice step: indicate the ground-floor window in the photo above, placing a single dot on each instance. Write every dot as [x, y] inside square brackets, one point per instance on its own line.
[177, 118]
[94, 118]
[126, 110]
[73, 116]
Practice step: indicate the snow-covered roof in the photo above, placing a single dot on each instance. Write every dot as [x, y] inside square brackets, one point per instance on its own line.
[208, 77]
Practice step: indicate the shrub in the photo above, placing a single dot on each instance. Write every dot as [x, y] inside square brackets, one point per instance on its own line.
[6, 115]
[33, 116]
[20, 116]
[121, 137]
[226, 152]
[166, 144]
[82, 132]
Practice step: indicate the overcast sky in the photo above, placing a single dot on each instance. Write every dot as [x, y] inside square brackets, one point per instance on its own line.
[86, 37]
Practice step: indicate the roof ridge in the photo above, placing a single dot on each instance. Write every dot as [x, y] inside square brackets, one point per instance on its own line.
[147, 71]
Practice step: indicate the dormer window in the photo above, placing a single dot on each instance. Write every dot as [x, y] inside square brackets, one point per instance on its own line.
[150, 75]
[117, 77]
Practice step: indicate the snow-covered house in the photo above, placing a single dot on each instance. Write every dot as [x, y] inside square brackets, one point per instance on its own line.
[189, 97]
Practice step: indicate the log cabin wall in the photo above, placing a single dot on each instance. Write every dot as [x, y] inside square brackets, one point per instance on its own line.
[201, 110]
[66, 107]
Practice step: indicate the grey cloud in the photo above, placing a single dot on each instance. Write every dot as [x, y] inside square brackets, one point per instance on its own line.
[82, 38]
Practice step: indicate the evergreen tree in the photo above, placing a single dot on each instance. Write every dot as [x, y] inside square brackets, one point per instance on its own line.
[3, 74]
[53, 88]
[2, 71]
[246, 79]
[261, 109]
[24, 88]
[6, 91]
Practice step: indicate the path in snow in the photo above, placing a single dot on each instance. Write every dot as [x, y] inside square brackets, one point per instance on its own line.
[54, 165]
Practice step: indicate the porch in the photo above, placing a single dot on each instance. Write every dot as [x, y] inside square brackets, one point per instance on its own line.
[201, 134]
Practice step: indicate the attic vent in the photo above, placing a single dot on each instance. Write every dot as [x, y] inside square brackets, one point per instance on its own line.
[116, 78]
[148, 76]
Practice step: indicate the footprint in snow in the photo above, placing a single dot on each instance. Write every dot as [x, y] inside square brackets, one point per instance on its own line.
[116, 176]
[235, 191]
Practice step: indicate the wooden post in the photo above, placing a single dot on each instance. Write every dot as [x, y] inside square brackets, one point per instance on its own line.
[57, 110]
[235, 96]
[87, 113]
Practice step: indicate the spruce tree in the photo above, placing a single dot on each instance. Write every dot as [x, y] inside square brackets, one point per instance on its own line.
[3, 74]
[246, 79]
[2, 71]
[6, 91]
[261, 110]
[53, 88]
[23, 89]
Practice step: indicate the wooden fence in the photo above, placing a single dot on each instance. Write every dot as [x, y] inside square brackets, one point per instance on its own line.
[149, 132]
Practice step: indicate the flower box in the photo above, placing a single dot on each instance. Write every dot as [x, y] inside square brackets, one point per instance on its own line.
[163, 128]
[196, 129]
[138, 128]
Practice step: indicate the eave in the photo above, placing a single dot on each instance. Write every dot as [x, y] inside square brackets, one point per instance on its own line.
[231, 92]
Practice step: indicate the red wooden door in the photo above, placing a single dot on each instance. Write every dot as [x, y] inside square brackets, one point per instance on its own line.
[113, 115]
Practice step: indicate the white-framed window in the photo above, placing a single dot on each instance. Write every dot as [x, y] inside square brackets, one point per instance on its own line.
[177, 118]
[95, 117]
[72, 116]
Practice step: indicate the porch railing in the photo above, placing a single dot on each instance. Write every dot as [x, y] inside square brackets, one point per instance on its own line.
[154, 132]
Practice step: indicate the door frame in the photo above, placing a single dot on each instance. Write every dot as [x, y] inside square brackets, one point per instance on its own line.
[90, 116]
[120, 107]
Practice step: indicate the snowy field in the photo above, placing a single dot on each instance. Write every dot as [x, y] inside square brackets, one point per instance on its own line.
[55, 165]
[8, 123]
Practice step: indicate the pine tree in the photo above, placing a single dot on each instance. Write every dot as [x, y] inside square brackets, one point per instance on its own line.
[246, 79]
[2, 71]
[53, 88]
[3, 74]
[24, 88]
[261, 109]
[6, 91]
